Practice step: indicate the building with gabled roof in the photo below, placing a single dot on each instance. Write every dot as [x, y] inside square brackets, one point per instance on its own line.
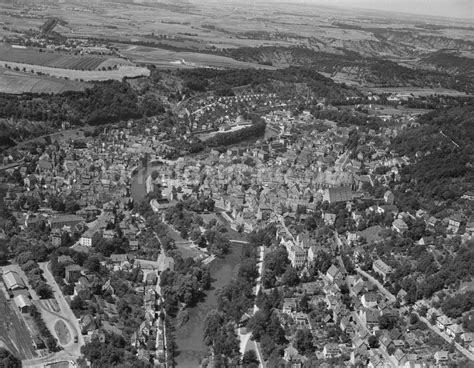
[338, 194]
[23, 303]
[382, 268]
[165, 263]
[73, 272]
[331, 350]
[399, 226]
[334, 274]
[13, 281]
[64, 220]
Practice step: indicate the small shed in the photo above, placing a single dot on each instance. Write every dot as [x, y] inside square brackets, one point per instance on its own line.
[23, 303]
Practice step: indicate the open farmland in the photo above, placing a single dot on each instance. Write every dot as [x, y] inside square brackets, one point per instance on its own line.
[123, 71]
[73, 62]
[416, 91]
[55, 59]
[19, 82]
[180, 59]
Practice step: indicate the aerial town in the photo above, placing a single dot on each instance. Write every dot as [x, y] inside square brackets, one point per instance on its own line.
[336, 255]
[204, 216]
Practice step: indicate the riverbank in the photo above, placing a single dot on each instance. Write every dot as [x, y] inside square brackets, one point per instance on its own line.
[190, 337]
[141, 183]
[138, 184]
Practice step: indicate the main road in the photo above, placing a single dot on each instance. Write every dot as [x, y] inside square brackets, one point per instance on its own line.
[65, 311]
[72, 350]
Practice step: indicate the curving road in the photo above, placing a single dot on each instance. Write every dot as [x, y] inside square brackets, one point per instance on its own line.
[65, 312]
[72, 350]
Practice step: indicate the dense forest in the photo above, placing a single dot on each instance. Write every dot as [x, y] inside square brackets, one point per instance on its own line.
[202, 80]
[8, 360]
[441, 152]
[104, 103]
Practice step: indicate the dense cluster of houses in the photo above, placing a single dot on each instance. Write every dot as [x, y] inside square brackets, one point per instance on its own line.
[278, 177]
[395, 347]
[277, 180]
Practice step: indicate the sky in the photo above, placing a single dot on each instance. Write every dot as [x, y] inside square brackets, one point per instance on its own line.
[445, 8]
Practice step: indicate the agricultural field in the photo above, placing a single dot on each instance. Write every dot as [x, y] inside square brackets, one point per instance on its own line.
[415, 91]
[56, 59]
[26, 82]
[180, 59]
[123, 71]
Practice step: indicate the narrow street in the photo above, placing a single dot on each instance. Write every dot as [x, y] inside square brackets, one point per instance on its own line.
[390, 296]
[445, 337]
[246, 343]
[381, 288]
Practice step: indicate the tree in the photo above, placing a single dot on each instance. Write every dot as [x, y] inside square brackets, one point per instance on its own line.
[304, 305]
[44, 291]
[3, 254]
[304, 341]
[258, 324]
[373, 342]
[250, 359]
[212, 325]
[387, 322]
[290, 277]
[92, 264]
[414, 318]
[268, 279]
[8, 360]
[248, 270]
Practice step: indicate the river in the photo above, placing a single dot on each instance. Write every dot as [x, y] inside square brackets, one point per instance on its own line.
[190, 337]
[138, 187]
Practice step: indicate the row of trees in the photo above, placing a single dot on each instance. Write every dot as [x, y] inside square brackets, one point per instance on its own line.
[49, 340]
[437, 274]
[185, 286]
[8, 360]
[28, 264]
[226, 139]
[440, 150]
[112, 352]
[234, 300]
[265, 324]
